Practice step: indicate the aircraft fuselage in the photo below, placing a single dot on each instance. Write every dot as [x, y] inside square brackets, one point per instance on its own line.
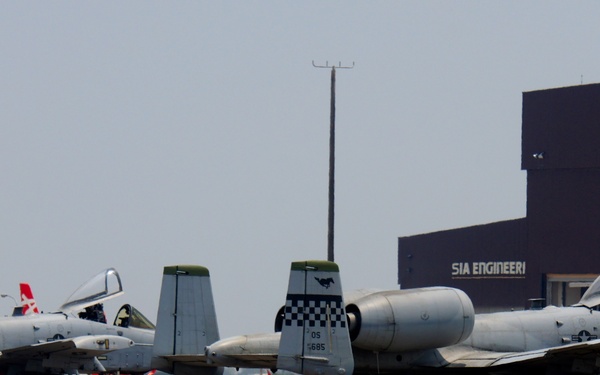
[34, 329]
[519, 331]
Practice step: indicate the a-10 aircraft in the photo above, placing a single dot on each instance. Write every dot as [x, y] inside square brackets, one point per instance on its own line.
[72, 342]
[432, 330]
[399, 331]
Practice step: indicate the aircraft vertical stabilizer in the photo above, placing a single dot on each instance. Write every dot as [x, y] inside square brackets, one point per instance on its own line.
[315, 337]
[186, 321]
[27, 301]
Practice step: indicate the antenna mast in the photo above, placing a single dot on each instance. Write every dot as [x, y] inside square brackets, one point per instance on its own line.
[330, 220]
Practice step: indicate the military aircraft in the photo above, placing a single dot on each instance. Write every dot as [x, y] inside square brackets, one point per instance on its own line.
[407, 331]
[65, 341]
[78, 339]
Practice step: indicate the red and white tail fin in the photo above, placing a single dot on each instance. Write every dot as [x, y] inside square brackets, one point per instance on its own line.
[27, 300]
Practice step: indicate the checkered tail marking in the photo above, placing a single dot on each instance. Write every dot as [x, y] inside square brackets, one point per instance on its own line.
[312, 309]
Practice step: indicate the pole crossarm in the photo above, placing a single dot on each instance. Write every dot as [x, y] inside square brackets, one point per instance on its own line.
[339, 66]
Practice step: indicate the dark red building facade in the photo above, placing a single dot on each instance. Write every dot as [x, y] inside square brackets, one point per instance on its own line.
[554, 252]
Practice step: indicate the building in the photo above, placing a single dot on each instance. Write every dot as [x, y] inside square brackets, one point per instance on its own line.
[554, 252]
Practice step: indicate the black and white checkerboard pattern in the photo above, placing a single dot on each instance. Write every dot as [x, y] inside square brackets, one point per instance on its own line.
[313, 310]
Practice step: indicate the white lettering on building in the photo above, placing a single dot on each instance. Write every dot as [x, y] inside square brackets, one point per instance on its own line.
[505, 269]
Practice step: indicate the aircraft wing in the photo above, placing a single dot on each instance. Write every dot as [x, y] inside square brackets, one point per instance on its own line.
[466, 357]
[244, 360]
[256, 360]
[188, 359]
[581, 351]
[78, 351]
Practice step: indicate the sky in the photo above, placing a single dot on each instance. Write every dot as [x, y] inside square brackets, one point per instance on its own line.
[142, 134]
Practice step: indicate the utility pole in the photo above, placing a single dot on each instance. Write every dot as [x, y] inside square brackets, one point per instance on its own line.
[331, 213]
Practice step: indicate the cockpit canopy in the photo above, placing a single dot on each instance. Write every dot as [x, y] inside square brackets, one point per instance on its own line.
[102, 287]
[129, 316]
[591, 297]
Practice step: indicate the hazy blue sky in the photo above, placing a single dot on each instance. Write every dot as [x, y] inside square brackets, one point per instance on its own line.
[141, 134]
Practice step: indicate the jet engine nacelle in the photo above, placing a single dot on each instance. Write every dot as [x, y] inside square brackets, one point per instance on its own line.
[411, 319]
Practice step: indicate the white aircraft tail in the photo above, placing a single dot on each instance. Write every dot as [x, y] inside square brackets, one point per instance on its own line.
[186, 321]
[314, 338]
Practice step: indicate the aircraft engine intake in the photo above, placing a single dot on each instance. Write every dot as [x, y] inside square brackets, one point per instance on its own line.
[412, 319]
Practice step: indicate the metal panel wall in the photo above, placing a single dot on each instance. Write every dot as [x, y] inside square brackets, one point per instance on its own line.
[563, 211]
[563, 126]
[485, 261]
